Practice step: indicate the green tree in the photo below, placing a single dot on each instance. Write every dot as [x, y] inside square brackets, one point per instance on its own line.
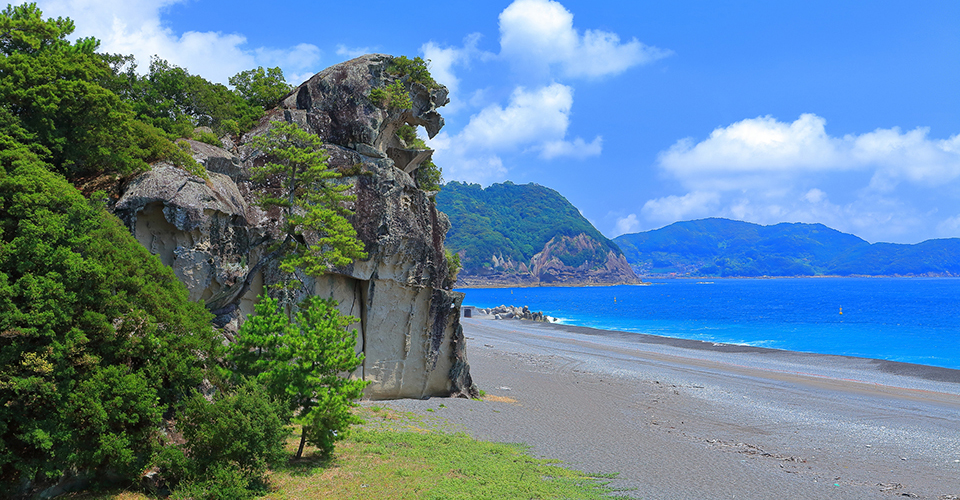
[97, 337]
[303, 359]
[305, 356]
[53, 88]
[310, 199]
[170, 98]
[261, 88]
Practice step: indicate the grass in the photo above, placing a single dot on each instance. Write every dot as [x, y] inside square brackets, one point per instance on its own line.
[408, 456]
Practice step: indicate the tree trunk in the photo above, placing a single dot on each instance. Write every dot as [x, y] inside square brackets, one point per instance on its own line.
[303, 439]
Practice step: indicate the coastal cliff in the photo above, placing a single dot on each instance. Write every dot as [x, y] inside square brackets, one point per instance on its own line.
[216, 239]
[564, 261]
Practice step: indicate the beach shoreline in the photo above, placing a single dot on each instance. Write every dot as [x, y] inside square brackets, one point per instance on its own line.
[689, 419]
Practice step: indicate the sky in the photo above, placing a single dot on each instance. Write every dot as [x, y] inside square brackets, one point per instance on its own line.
[845, 113]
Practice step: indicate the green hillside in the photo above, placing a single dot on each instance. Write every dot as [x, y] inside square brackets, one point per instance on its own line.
[511, 221]
[722, 247]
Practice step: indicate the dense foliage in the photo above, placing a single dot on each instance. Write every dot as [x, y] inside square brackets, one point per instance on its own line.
[171, 99]
[509, 221]
[261, 88]
[98, 341]
[414, 69]
[97, 337]
[53, 91]
[231, 442]
[721, 247]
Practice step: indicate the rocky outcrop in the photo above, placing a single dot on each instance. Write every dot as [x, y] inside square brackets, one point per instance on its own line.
[564, 261]
[514, 312]
[218, 240]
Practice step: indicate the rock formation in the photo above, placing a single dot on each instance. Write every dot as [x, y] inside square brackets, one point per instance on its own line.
[587, 263]
[217, 239]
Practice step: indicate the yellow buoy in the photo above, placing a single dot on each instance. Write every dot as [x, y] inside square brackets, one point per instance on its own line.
[841, 311]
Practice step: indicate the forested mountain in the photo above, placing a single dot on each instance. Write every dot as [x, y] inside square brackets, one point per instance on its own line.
[530, 233]
[722, 247]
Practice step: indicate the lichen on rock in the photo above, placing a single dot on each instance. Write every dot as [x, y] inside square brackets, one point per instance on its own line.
[218, 240]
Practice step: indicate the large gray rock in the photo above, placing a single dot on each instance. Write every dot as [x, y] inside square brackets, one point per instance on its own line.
[217, 240]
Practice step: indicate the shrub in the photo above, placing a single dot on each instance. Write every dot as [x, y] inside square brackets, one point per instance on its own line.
[415, 68]
[98, 337]
[208, 138]
[393, 96]
[453, 266]
[230, 444]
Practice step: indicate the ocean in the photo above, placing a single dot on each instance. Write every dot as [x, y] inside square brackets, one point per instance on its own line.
[913, 320]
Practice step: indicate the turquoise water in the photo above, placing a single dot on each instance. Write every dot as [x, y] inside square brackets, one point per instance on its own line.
[913, 320]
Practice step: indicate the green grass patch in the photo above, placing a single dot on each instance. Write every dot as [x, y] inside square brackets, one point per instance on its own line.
[384, 464]
[395, 455]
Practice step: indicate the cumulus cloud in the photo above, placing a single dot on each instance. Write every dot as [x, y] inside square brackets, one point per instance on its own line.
[533, 120]
[628, 224]
[538, 35]
[764, 150]
[531, 116]
[767, 171]
[135, 27]
[949, 227]
[463, 165]
[540, 43]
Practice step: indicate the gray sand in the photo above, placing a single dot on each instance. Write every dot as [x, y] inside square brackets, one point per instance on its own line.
[685, 419]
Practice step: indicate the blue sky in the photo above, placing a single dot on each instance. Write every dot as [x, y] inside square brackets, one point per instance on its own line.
[640, 113]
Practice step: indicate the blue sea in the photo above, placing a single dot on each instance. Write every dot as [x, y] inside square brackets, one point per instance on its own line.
[913, 320]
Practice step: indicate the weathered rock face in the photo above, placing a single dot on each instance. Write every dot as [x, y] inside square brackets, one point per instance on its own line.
[577, 261]
[217, 239]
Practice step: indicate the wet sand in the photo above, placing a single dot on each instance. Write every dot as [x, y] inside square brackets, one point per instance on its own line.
[684, 419]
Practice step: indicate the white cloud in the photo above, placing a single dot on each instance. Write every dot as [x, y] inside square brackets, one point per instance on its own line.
[533, 120]
[135, 27]
[628, 224]
[578, 149]
[442, 60]
[673, 208]
[766, 171]
[352, 52]
[536, 116]
[539, 34]
[763, 151]
[815, 196]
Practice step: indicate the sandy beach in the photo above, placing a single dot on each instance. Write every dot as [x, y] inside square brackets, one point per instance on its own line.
[681, 419]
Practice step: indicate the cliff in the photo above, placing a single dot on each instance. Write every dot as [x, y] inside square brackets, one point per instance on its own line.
[527, 235]
[216, 238]
[568, 261]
